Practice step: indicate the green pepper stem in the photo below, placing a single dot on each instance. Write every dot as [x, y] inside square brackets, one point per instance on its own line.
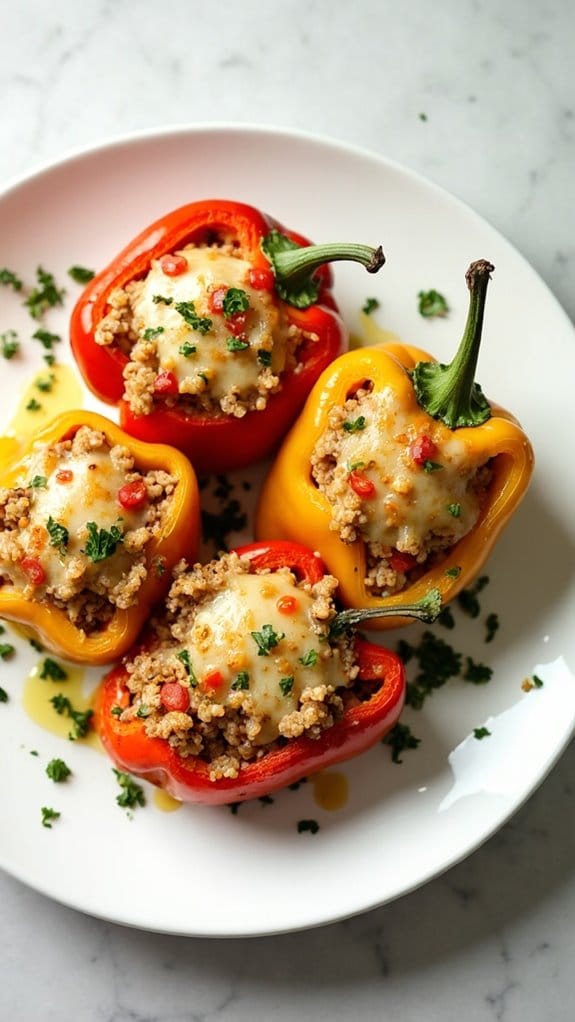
[449, 392]
[295, 265]
[427, 610]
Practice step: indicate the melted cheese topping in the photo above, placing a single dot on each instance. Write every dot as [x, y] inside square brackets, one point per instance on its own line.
[90, 495]
[410, 505]
[227, 372]
[220, 639]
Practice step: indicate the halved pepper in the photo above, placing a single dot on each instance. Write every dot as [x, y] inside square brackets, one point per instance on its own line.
[187, 779]
[284, 264]
[435, 397]
[179, 537]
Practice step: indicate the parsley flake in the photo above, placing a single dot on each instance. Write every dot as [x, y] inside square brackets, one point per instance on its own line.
[537, 681]
[310, 658]
[432, 304]
[47, 339]
[354, 425]
[39, 482]
[81, 718]
[6, 650]
[3, 695]
[453, 572]
[48, 816]
[101, 543]
[307, 825]
[10, 279]
[431, 466]
[10, 344]
[235, 344]
[45, 386]
[286, 685]
[33, 405]
[399, 739]
[235, 300]
[58, 770]
[266, 640]
[467, 598]
[151, 332]
[59, 536]
[242, 682]
[370, 305]
[132, 794]
[45, 296]
[477, 674]
[455, 510]
[184, 657]
[52, 671]
[162, 300]
[187, 311]
[80, 274]
[481, 732]
[186, 349]
[264, 358]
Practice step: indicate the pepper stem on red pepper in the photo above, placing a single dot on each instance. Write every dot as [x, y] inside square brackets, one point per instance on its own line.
[294, 265]
[449, 392]
[427, 609]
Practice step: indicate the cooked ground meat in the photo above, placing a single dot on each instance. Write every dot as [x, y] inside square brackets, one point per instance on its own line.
[406, 508]
[65, 517]
[222, 354]
[229, 675]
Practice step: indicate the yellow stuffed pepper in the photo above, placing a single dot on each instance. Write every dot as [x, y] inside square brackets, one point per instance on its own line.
[399, 472]
[92, 523]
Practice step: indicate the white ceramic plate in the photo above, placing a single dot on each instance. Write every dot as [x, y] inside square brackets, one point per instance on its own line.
[206, 871]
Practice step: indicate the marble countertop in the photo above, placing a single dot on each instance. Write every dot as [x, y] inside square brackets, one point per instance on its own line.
[492, 938]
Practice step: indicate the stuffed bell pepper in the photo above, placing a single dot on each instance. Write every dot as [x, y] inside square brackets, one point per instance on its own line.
[92, 523]
[243, 684]
[210, 328]
[399, 471]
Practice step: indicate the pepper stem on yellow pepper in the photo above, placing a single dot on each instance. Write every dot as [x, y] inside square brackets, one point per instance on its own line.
[449, 392]
[427, 609]
[294, 265]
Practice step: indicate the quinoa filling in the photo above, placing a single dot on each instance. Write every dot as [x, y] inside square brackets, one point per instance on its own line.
[74, 530]
[240, 663]
[409, 489]
[199, 335]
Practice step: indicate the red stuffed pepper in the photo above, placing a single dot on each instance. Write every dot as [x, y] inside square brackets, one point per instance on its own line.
[244, 686]
[210, 328]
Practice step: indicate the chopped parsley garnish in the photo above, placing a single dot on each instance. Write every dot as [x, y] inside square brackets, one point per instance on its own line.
[10, 344]
[101, 543]
[354, 465]
[446, 618]
[49, 359]
[242, 682]
[143, 711]
[266, 640]
[481, 732]
[432, 304]
[80, 274]
[423, 117]
[491, 627]
[36, 645]
[399, 739]
[354, 425]
[159, 567]
[310, 658]
[453, 572]
[455, 510]
[537, 681]
[132, 794]
[184, 657]
[438, 662]
[45, 386]
[235, 300]
[52, 671]
[47, 340]
[33, 405]
[235, 344]
[3, 695]
[80, 718]
[467, 598]
[204, 377]
[286, 685]
[39, 482]
[162, 300]
[59, 535]
[370, 305]
[431, 466]
[45, 296]
[58, 770]
[10, 279]
[116, 711]
[151, 332]
[187, 311]
[266, 800]
[477, 674]
[48, 816]
[307, 825]
[6, 650]
[264, 358]
[187, 348]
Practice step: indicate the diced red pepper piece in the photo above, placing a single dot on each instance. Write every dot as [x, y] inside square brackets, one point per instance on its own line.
[173, 265]
[132, 496]
[166, 384]
[361, 485]
[65, 475]
[216, 299]
[261, 280]
[212, 680]
[422, 449]
[34, 570]
[402, 562]
[236, 324]
[174, 696]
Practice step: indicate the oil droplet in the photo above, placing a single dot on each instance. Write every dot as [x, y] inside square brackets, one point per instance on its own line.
[65, 393]
[164, 802]
[37, 696]
[330, 790]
